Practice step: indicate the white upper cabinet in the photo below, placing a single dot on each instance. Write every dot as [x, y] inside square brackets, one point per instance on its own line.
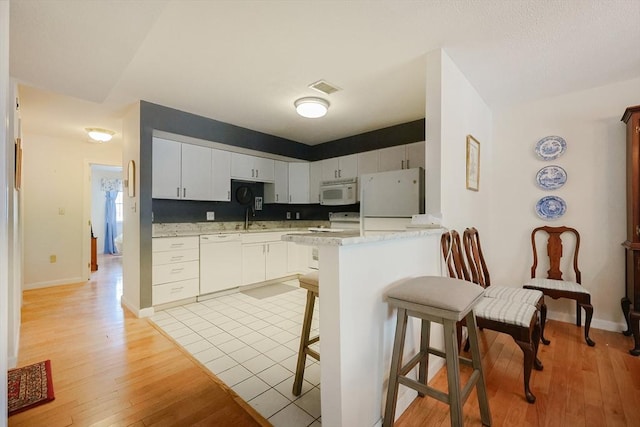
[278, 192]
[181, 171]
[299, 183]
[392, 158]
[416, 155]
[367, 162]
[315, 177]
[402, 157]
[221, 175]
[342, 167]
[252, 168]
[166, 181]
[196, 165]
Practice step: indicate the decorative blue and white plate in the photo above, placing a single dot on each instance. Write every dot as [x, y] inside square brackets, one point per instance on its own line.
[551, 177]
[551, 147]
[551, 207]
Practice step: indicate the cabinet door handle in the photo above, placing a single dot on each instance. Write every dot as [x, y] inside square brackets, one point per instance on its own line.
[276, 197]
[177, 257]
[257, 173]
[177, 270]
[408, 164]
[177, 245]
[335, 173]
[178, 289]
[339, 173]
[252, 173]
[177, 191]
[184, 192]
[401, 164]
[228, 194]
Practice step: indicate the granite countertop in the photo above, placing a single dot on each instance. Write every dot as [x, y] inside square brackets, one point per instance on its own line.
[345, 238]
[199, 228]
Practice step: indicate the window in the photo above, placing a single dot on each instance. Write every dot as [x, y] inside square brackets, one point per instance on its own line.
[119, 207]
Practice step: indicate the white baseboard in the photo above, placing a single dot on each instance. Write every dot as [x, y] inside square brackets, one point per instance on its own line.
[138, 312]
[68, 281]
[606, 325]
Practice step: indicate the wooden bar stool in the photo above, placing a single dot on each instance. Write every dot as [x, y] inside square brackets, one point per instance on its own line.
[309, 282]
[446, 301]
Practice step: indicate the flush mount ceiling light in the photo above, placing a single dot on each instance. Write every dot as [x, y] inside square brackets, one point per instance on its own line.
[311, 107]
[100, 135]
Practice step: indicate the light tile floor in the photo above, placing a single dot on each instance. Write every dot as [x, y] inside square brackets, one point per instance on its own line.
[252, 346]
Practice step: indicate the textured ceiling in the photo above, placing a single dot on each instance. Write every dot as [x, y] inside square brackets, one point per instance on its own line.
[245, 62]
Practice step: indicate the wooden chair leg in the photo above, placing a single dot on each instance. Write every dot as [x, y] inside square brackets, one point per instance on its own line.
[453, 374]
[423, 369]
[588, 309]
[537, 364]
[527, 349]
[578, 314]
[304, 343]
[543, 321]
[396, 366]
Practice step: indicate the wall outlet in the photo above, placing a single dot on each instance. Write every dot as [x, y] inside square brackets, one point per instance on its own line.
[288, 215]
[52, 259]
[258, 204]
[211, 216]
[297, 215]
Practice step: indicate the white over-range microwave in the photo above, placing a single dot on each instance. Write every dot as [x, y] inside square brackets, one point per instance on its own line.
[339, 192]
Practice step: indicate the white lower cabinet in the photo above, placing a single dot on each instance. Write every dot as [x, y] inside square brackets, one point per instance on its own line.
[264, 257]
[175, 269]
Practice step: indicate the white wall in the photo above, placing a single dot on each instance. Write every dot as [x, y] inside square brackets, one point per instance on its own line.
[98, 204]
[595, 191]
[455, 110]
[131, 243]
[5, 171]
[53, 206]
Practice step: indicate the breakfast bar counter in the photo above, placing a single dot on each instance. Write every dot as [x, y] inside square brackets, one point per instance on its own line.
[356, 325]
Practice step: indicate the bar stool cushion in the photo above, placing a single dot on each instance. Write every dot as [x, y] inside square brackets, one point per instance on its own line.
[510, 312]
[310, 282]
[529, 296]
[443, 293]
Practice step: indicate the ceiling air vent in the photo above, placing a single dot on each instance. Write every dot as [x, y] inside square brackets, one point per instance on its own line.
[324, 87]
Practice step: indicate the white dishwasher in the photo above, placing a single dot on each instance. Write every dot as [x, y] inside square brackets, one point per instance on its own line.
[220, 262]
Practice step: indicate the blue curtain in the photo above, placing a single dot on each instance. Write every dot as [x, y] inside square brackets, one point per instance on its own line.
[110, 230]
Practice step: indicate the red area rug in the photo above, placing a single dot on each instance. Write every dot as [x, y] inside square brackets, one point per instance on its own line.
[29, 386]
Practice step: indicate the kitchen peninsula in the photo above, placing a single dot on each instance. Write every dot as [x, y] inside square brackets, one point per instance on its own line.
[356, 325]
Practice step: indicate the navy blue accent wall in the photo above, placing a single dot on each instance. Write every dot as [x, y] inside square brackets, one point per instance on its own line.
[404, 133]
[196, 211]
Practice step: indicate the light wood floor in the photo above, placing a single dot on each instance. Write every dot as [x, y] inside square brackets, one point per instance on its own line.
[110, 368]
[579, 385]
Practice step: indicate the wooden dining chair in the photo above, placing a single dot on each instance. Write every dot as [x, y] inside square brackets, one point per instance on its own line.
[554, 285]
[518, 319]
[480, 275]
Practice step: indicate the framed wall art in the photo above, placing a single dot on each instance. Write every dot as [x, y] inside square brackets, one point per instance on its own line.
[473, 163]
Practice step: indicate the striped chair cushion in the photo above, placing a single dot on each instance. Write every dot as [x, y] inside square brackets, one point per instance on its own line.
[560, 285]
[510, 312]
[529, 296]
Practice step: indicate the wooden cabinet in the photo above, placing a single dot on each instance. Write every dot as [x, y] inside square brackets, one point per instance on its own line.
[278, 192]
[340, 167]
[631, 301]
[252, 168]
[175, 269]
